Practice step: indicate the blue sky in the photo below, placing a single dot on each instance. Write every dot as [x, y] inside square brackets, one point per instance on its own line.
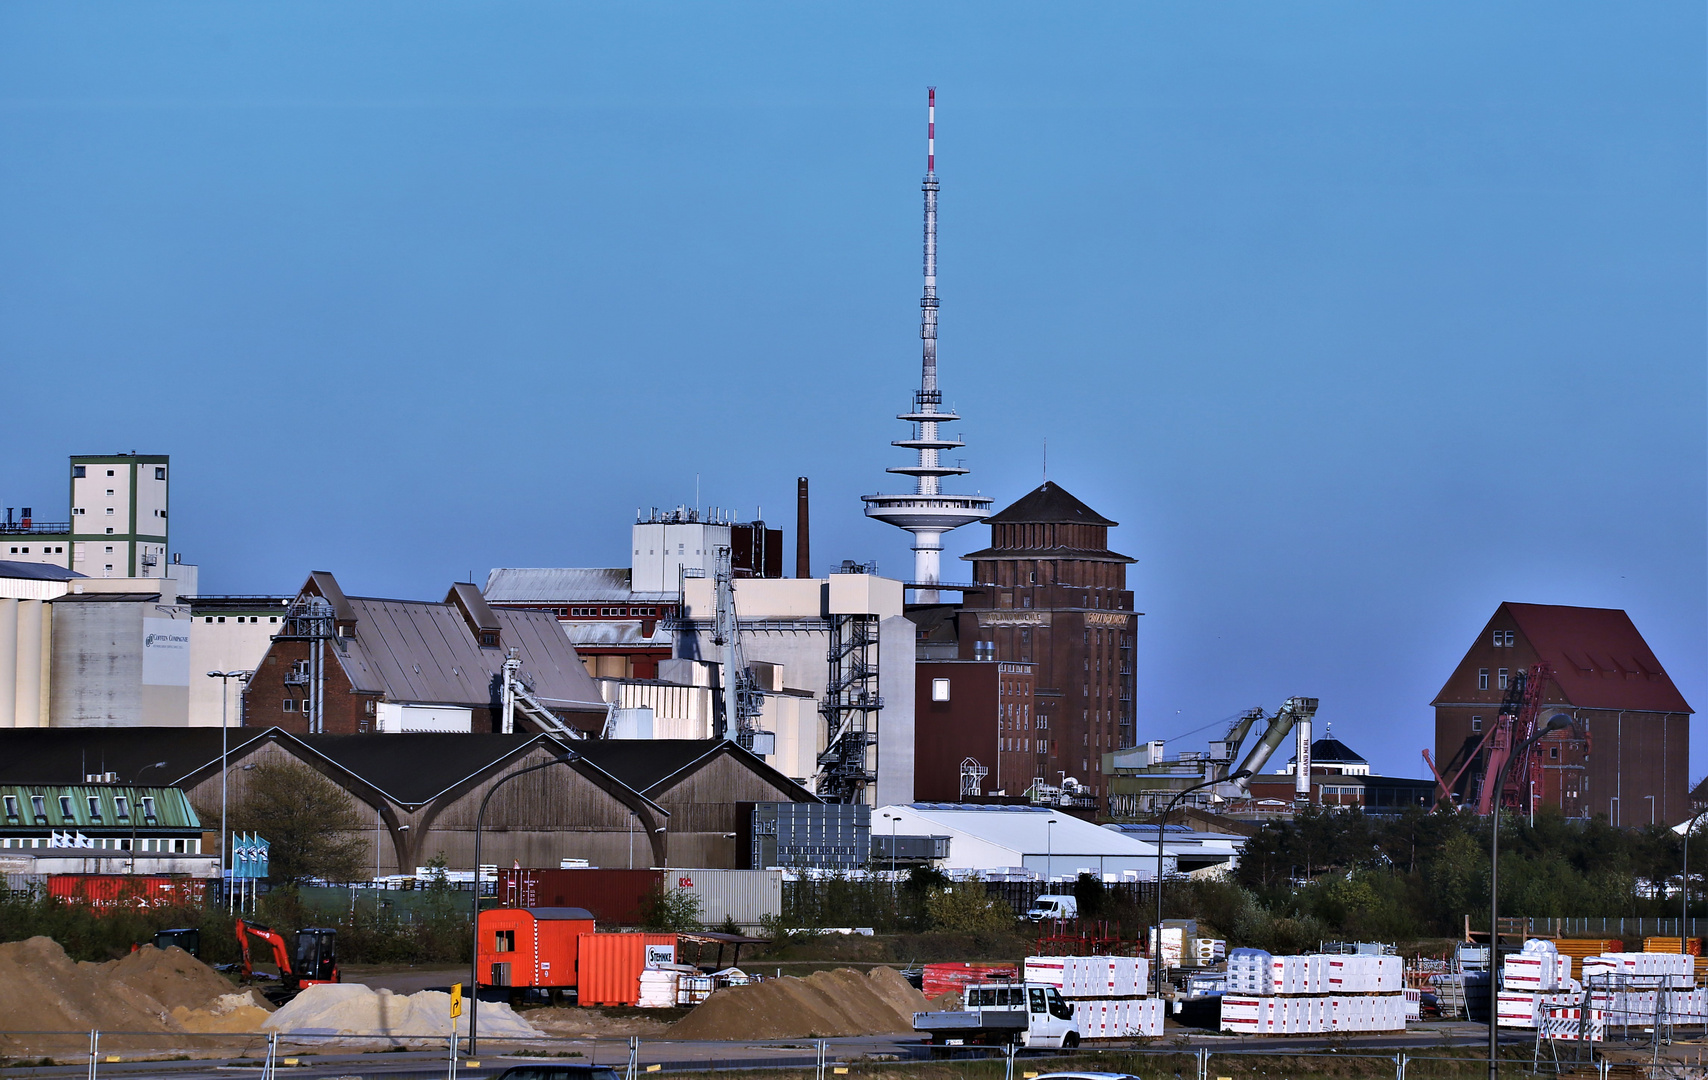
[1360, 318]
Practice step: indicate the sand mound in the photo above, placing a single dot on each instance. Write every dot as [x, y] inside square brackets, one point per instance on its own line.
[826, 1004]
[170, 976]
[354, 1009]
[245, 1012]
[42, 989]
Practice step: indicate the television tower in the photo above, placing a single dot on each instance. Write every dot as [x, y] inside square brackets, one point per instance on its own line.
[928, 512]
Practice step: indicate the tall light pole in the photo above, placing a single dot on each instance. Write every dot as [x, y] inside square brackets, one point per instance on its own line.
[1684, 890]
[136, 809]
[224, 678]
[895, 819]
[474, 928]
[1161, 820]
[1555, 723]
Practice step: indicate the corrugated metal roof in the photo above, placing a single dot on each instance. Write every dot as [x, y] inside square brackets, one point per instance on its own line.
[36, 571]
[171, 807]
[424, 652]
[566, 585]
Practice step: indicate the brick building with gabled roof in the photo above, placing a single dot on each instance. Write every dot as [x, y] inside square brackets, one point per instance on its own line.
[414, 665]
[1634, 766]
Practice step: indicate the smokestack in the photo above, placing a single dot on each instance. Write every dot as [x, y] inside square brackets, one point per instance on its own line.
[803, 531]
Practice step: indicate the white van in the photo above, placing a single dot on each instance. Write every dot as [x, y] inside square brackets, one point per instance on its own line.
[1053, 906]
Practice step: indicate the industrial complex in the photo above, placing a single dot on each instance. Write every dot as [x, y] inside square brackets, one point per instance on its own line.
[701, 695]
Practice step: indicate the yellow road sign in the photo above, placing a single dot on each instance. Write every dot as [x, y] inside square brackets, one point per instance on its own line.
[456, 999]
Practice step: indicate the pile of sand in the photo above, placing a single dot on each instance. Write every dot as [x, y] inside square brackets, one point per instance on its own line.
[826, 1004]
[170, 976]
[42, 989]
[228, 1013]
[352, 1009]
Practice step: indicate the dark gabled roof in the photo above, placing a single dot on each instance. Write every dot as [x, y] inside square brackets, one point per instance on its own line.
[1048, 503]
[36, 571]
[66, 755]
[414, 767]
[1332, 751]
[649, 765]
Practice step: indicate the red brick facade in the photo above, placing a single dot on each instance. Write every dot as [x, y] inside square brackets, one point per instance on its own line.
[1056, 597]
[1633, 766]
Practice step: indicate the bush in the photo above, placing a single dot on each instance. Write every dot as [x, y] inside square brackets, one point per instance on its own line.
[665, 910]
[967, 908]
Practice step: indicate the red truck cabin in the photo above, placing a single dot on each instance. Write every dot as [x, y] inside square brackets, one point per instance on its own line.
[531, 947]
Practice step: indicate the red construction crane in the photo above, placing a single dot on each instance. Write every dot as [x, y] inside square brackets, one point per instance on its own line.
[1515, 724]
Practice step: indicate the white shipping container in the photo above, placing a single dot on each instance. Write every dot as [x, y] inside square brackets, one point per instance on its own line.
[746, 896]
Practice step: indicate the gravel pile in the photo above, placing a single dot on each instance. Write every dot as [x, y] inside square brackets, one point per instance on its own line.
[827, 1004]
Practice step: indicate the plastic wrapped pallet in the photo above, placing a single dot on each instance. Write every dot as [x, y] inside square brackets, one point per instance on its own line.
[1249, 972]
[657, 989]
[1045, 969]
[1247, 1015]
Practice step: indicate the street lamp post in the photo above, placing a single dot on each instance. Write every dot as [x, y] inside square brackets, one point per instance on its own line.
[895, 819]
[474, 929]
[1161, 820]
[1049, 851]
[136, 809]
[1684, 886]
[224, 678]
[1555, 723]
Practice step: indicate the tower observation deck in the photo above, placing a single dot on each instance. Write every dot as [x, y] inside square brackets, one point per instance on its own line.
[928, 512]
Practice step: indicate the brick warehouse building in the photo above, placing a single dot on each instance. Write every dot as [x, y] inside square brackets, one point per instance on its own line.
[1054, 596]
[1634, 767]
[414, 666]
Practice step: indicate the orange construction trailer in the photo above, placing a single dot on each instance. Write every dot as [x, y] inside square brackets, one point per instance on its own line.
[556, 948]
[531, 947]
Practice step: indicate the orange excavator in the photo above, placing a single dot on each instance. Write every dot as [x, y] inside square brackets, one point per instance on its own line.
[313, 961]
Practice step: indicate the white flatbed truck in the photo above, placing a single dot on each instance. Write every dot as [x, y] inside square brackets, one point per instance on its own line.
[1026, 1014]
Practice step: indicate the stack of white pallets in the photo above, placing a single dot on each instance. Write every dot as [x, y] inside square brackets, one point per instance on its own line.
[1107, 993]
[1534, 981]
[1303, 995]
[1676, 970]
[1526, 1009]
[1249, 972]
[1123, 1018]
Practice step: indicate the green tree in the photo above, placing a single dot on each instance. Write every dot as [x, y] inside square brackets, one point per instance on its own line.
[665, 910]
[967, 907]
[309, 823]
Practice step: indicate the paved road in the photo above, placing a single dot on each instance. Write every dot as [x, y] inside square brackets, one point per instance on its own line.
[674, 1056]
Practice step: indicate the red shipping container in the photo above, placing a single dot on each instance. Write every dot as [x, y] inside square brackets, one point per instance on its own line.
[609, 965]
[615, 897]
[112, 892]
[533, 947]
[942, 978]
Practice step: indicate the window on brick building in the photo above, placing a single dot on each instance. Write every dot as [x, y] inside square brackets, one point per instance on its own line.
[1503, 678]
[1482, 678]
[1476, 723]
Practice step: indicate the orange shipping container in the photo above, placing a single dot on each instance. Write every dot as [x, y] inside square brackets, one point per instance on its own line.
[532, 947]
[610, 965]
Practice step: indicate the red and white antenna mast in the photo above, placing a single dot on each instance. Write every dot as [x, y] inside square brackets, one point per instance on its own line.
[928, 512]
